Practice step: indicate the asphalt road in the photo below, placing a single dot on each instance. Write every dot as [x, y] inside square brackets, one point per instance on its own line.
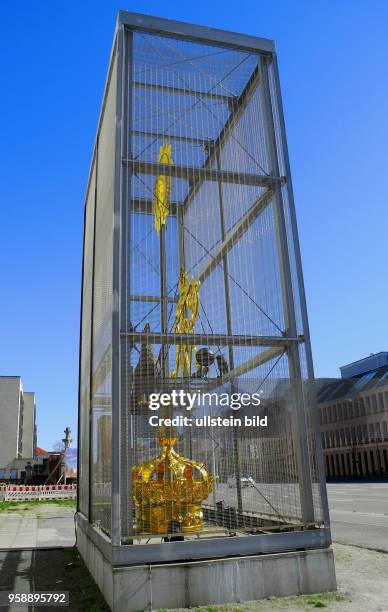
[359, 514]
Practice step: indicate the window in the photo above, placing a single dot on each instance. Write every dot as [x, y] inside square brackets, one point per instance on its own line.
[371, 432]
[359, 434]
[374, 404]
[365, 433]
[323, 440]
[367, 404]
[377, 432]
[362, 406]
[372, 461]
[385, 430]
[381, 402]
[337, 434]
[343, 472]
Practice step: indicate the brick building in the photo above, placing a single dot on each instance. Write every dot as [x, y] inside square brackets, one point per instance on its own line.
[354, 419]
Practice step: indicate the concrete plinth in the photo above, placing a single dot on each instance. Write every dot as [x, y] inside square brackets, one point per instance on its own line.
[188, 584]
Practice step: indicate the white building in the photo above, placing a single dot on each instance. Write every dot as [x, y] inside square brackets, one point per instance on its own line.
[17, 426]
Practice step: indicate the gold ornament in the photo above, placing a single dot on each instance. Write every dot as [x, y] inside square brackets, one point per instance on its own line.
[169, 489]
[184, 322]
[161, 203]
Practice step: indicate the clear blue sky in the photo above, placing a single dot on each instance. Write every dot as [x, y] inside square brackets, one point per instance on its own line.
[333, 60]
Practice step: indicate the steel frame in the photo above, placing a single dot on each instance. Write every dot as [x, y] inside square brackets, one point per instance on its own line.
[121, 338]
[205, 174]
[216, 339]
[211, 548]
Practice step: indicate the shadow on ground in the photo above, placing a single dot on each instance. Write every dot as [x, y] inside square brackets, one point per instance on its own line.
[61, 569]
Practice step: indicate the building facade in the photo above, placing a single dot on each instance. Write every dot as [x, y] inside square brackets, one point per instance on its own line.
[354, 420]
[17, 426]
[29, 425]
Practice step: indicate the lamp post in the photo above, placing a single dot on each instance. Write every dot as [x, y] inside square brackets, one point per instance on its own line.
[67, 440]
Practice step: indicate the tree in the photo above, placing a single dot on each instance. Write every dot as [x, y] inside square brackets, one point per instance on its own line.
[58, 446]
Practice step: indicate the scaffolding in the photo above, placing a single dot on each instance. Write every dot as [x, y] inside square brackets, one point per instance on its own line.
[192, 281]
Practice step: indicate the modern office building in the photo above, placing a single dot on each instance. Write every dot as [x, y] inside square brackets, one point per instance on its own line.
[192, 281]
[17, 426]
[354, 419]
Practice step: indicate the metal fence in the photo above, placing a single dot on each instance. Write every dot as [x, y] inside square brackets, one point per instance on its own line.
[37, 492]
[192, 282]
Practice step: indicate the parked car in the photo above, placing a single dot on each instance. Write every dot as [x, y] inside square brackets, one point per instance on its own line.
[246, 481]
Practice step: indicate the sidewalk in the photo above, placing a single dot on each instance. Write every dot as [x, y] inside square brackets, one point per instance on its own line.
[37, 526]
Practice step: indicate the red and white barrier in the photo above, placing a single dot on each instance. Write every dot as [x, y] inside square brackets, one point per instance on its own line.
[26, 492]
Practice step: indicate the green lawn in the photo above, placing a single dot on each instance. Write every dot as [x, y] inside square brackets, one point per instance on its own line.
[26, 504]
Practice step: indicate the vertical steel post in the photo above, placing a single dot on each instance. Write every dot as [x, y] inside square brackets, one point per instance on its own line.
[180, 231]
[126, 510]
[121, 494]
[163, 298]
[301, 443]
[90, 413]
[302, 294]
[236, 453]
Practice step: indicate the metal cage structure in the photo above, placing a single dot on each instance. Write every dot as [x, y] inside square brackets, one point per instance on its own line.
[192, 282]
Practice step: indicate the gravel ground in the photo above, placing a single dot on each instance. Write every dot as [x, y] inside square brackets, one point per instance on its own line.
[362, 578]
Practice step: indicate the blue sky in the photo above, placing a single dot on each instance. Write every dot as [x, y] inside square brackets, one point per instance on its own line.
[333, 60]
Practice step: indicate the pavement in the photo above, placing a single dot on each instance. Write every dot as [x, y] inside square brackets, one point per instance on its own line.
[359, 514]
[39, 526]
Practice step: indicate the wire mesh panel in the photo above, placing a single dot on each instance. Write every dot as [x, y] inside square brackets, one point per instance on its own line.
[101, 401]
[204, 249]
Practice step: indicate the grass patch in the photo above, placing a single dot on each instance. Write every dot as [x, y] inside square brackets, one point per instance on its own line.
[17, 506]
[90, 598]
[332, 596]
[302, 602]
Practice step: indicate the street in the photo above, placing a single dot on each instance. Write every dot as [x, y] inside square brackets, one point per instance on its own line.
[359, 514]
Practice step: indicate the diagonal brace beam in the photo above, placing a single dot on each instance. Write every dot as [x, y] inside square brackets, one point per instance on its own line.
[233, 236]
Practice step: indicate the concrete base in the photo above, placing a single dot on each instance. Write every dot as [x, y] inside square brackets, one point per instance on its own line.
[181, 585]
